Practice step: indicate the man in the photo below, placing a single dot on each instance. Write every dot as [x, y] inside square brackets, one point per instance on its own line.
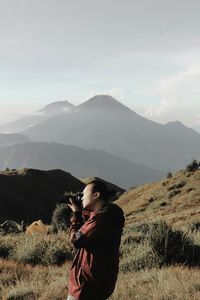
[96, 233]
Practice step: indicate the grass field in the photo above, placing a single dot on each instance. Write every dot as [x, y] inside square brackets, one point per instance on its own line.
[160, 256]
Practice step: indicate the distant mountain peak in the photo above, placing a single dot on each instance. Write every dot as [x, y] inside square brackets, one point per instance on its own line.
[102, 102]
[56, 107]
[176, 124]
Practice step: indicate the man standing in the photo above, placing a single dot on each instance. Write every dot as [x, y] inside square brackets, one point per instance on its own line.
[96, 233]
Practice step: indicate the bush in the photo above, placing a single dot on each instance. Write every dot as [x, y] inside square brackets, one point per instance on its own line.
[140, 258]
[177, 185]
[169, 175]
[7, 246]
[193, 166]
[61, 218]
[158, 246]
[57, 255]
[31, 250]
[45, 250]
[193, 227]
[172, 246]
[173, 193]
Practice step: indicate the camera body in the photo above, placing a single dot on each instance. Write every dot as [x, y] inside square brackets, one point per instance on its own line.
[76, 198]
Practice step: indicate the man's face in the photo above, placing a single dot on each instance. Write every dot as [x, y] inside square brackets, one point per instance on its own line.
[89, 198]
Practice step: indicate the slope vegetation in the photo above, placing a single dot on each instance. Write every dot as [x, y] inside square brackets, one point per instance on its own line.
[175, 199]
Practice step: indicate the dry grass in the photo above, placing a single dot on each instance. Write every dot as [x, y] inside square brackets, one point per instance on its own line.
[26, 282]
[173, 283]
[20, 281]
[155, 200]
[140, 276]
[39, 248]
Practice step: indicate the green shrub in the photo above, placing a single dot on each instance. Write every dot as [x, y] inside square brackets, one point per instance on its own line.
[169, 175]
[22, 294]
[57, 254]
[193, 166]
[7, 246]
[193, 227]
[30, 250]
[177, 185]
[172, 246]
[43, 249]
[147, 245]
[61, 218]
[140, 258]
[173, 193]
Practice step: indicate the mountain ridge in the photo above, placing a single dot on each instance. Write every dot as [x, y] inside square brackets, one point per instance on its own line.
[77, 161]
[48, 111]
[30, 194]
[57, 107]
[100, 102]
[11, 139]
[121, 132]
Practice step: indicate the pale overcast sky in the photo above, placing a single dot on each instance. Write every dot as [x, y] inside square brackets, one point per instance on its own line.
[145, 53]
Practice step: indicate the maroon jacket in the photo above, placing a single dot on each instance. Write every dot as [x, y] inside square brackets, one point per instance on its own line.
[95, 267]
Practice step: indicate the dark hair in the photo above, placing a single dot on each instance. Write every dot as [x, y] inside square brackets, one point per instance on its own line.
[100, 187]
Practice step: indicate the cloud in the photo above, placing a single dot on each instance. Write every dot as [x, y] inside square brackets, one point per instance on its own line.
[174, 83]
[164, 107]
[173, 94]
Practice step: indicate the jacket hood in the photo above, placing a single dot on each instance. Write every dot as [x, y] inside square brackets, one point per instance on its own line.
[115, 213]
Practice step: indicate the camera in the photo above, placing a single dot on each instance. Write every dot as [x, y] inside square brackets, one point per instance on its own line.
[76, 198]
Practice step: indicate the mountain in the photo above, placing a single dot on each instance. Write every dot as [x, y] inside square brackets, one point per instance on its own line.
[11, 139]
[77, 161]
[104, 123]
[30, 194]
[21, 123]
[102, 103]
[56, 108]
[29, 121]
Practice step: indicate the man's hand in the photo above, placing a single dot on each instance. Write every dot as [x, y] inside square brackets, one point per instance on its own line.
[74, 207]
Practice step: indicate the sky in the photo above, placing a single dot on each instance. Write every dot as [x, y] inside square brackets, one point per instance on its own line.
[144, 53]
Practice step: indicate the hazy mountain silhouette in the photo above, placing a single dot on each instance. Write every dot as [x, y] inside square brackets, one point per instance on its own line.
[11, 139]
[30, 195]
[56, 108]
[104, 123]
[46, 112]
[79, 162]
[102, 103]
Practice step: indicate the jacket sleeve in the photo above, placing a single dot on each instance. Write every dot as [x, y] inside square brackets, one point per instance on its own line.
[89, 232]
[76, 221]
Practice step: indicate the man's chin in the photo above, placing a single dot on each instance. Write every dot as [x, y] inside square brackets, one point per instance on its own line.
[87, 207]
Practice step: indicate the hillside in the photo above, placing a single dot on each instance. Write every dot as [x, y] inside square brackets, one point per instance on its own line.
[176, 200]
[155, 261]
[30, 194]
[78, 162]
